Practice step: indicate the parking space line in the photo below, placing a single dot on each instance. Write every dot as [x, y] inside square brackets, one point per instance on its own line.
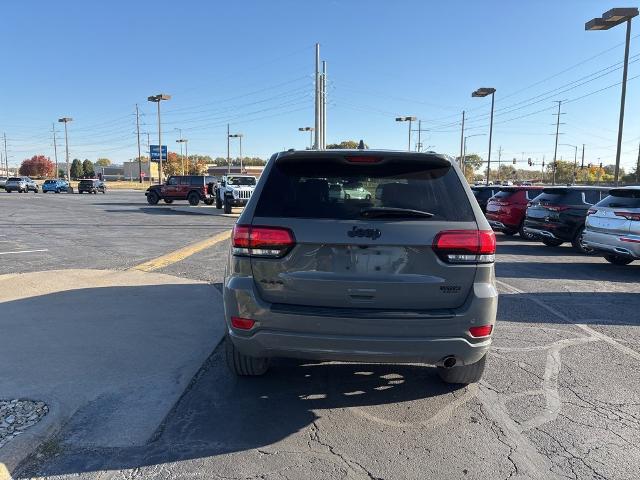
[182, 253]
[594, 333]
[24, 251]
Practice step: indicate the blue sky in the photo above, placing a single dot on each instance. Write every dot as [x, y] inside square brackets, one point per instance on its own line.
[250, 63]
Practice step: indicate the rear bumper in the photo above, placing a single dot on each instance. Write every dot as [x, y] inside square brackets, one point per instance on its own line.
[420, 338]
[627, 245]
[554, 230]
[502, 222]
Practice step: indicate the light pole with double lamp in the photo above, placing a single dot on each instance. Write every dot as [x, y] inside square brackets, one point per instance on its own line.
[575, 159]
[483, 92]
[310, 130]
[410, 120]
[239, 137]
[157, 99]
[66, 120]
[610, 19]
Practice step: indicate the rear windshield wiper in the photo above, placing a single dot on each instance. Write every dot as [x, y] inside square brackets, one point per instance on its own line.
[377, 212]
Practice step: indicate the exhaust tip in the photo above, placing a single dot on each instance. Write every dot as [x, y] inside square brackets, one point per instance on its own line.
[449, 362]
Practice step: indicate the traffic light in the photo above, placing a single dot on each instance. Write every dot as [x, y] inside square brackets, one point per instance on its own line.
[514, 161]
[530, 162]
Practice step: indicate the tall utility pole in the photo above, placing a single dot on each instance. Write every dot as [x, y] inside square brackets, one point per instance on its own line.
[228, 157]
[637, 166]
[582, 163]
[555, 151]
[138, 134]
[55, 147]
[462, 141]
[324, 106]
[420, 130]
[318, 107]
[499, 160]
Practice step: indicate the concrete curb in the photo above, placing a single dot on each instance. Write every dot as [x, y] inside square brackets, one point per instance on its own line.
[136, 402]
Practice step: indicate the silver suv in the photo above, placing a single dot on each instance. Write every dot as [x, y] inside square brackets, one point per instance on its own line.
[403, 276]
[613, 226]
[21, 185]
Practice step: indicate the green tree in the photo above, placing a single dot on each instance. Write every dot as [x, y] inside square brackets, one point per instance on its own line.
[87, 169]
[61, 173]
[103, 162]
[345, 144]
[76, 169]
[471, 163]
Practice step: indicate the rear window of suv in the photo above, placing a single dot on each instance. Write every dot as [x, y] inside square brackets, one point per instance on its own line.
[300, 189]
[621, 199]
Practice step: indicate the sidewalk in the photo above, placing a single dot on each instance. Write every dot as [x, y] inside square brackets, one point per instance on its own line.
[109, 352]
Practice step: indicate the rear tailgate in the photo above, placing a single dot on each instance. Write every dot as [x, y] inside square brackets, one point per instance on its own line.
[619, 213]
[344, 258]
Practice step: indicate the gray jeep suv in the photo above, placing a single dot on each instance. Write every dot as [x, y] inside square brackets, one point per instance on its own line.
[404, 276]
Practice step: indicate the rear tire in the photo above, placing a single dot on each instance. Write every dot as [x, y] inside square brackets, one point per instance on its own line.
[218, 202]
[194, 199]
[208, 201]
[552, 242]
[243, 365]
[153, 198]
[227, 205]
[524, 235]
[579, 245]
[464, 374]
[618, 260]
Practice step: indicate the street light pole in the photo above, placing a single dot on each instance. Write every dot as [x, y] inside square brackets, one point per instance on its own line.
[181, 155]
[483, 92]
[55, 150]
[239, 137]
[310, 130]
[228, 157]
[157, 99]
[66, 120]
[610, 19]
[410, 120]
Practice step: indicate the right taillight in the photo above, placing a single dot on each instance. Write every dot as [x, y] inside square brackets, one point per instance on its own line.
[465, 246]
[262, 241]
[628, 215]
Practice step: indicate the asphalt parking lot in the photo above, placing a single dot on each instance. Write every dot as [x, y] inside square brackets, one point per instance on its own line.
[560, 398]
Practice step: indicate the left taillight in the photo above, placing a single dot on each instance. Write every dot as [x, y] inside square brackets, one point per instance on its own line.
[262, 241]
[465, 246]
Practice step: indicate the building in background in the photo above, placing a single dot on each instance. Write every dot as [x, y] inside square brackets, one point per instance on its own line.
[131, 171]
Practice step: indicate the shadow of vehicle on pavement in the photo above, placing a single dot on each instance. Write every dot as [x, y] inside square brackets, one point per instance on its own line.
[222, 414]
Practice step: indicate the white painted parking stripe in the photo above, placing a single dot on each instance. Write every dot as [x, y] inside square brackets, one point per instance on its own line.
[594, 333]
[24, 251]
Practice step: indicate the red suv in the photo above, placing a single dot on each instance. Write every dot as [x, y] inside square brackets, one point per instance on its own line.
[506, 209]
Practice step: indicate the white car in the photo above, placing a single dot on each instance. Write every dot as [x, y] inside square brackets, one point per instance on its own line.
[355, 191]
[234, 191]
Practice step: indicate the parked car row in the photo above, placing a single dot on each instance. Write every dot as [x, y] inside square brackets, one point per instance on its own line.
[56, 185]
[595, 220]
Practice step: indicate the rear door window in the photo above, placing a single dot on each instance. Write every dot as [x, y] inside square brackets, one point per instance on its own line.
[184, 180]
[195, 181]
[622, 199]
[592, 196]
[337, 190]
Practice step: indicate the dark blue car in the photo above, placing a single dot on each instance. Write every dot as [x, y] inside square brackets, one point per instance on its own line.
[55, 186]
